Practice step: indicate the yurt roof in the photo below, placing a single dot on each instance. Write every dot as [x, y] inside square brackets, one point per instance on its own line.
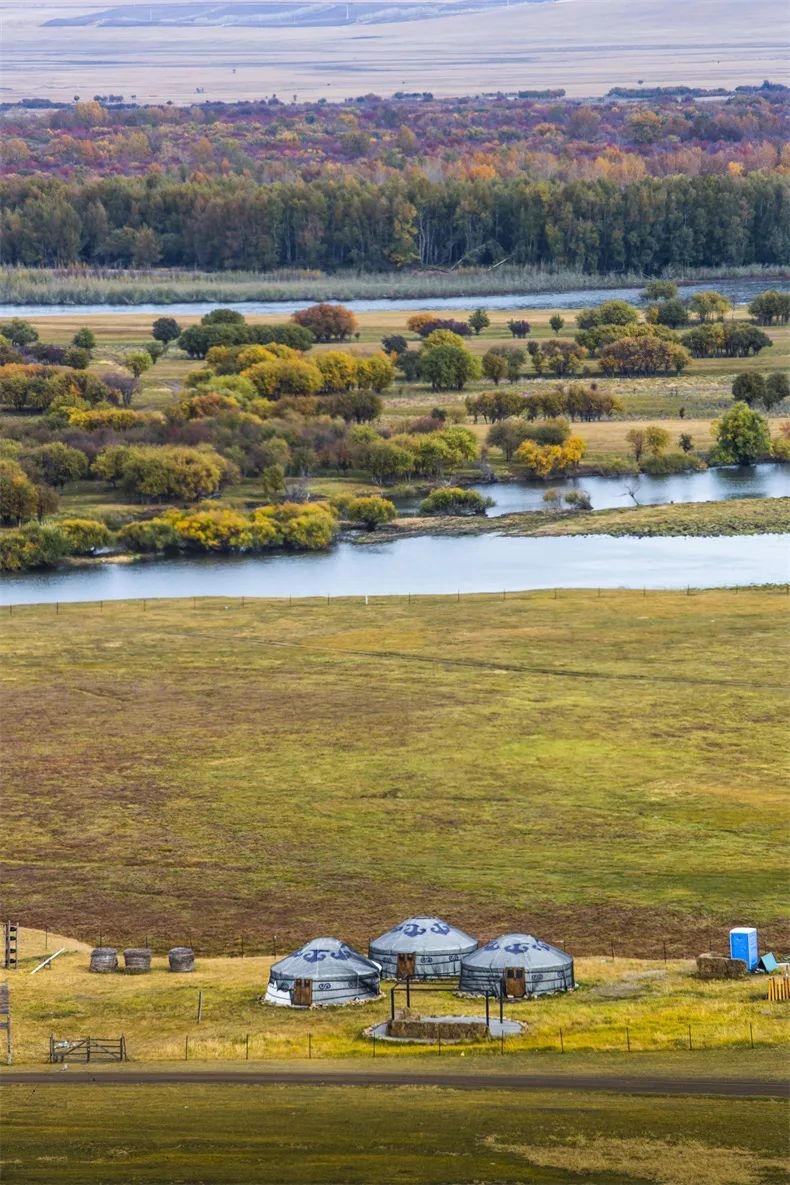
[517, 950]
[417, 935]
[324, 958]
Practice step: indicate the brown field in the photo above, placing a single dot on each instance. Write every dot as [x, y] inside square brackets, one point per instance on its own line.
[585, 46]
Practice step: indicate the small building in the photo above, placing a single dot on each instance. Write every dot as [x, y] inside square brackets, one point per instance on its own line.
[325, 971]
[516, 966]
[421, 948]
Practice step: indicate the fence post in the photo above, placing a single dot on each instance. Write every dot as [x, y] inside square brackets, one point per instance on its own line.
[628, 1038]
[562, 1043]
[242, 946]
[374, 1044]
[186, 1049]
[247, 1048]
[309, 1045]
[751, 1035]
[665, 950]
[690, 1045]
[200, 1006]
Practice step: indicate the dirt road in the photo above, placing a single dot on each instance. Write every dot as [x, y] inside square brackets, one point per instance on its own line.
[619, 1084]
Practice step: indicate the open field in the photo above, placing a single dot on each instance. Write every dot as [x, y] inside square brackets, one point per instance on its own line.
[657, 1001]
[162, 1133]
[198, 771]
[586, 46]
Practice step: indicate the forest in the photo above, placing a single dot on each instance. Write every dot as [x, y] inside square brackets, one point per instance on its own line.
[646, 226]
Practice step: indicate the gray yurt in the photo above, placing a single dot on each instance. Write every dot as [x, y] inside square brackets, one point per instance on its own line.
[325, 971]
[421, 948]
[516, 965]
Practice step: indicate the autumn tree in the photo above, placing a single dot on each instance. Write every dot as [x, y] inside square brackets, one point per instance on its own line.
[327, 322]
[370, 512]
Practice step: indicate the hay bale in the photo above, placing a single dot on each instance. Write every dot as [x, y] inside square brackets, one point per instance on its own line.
[137, 960]
[104, 959]
[711, 966]
[181, 958]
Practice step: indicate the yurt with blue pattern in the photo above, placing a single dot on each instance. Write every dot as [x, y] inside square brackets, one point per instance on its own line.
[516, 966]
[324, 971]
[421, 948]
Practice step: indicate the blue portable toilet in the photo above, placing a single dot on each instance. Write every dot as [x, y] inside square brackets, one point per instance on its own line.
[743, 945]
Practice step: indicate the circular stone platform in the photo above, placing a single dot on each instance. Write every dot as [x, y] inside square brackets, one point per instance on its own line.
[508, 1028]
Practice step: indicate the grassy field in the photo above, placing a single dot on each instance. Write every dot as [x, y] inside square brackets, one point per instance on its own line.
[647, 1005]
[198, 771]
[747, 516]
[166, 1133]
[586, 49]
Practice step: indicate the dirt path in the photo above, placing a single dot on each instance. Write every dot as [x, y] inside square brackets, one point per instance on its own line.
[620, 1084]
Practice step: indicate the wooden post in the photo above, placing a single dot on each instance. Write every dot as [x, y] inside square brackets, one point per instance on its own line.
[562, 1043]
[665, 951]
[690, 1045]
[247, 1048]
[751, 1035]
[309, 1045]
[186, 1049]
[628, 1038]
[488, 1014]
[200, 1006]
[374, 1044]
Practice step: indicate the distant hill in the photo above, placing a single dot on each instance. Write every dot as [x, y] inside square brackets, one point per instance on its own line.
[274, 14]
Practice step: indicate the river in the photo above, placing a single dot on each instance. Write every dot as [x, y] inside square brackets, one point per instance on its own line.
[712, 485]
[427, 565]
[739, 291]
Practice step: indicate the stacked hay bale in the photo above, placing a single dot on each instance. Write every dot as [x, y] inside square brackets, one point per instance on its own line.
[181, 959]
[104, 959]
[711, 966]
[137, 960]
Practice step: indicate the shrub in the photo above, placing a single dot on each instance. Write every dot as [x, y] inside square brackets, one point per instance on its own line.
[84, 536]
[138, 361]
[150, 535]
[742, 436]
[579, 500]
[57, 463]
[218, 530]
[84, 338]
[370, 512]
[611, 312]
[18, 331]
[549, 460]
[455, 501]
[750, 387]
[31, 546]
[520, 329]
[662, 464]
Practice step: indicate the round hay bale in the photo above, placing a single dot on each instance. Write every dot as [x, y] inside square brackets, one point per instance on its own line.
[104, 959]
[181, 958]
[137, 960]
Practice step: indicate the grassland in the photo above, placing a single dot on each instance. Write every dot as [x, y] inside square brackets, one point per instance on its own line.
[645, 1006]
[156, 1134]
[198, 771]
[547, 45]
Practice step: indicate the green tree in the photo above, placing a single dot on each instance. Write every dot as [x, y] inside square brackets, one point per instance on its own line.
[771, 306]
[478, 320]
[742, 435]
[448, 367]
[556, 322]
[710, 306]
[84, 339]
[165, 330]
[57, 463]
[777, 389]
[660, 290]
[749, 387]
[138, 361]
[494, 366]
[19, 332]
[672, 313]
[656, 439]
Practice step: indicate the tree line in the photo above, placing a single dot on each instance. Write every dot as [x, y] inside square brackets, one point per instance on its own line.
[594, 226]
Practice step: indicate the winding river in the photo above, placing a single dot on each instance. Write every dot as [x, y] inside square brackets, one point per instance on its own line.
[739, 291]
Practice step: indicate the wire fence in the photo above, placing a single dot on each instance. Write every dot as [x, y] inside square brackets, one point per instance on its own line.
[225, 602]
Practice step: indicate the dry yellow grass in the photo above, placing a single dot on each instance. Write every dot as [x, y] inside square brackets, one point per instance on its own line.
[585, 46]
[158, 1012]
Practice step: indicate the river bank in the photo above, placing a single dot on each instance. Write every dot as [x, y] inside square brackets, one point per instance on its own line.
[31, 291]
[748, 516]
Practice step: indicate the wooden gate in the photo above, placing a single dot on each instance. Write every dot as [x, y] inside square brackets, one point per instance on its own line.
[515, 982]
[407, 965]
[88, 1049]
[302, 993]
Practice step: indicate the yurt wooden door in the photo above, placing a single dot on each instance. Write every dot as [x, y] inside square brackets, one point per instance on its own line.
[407, 965]
[302, 993]
[515, 982]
